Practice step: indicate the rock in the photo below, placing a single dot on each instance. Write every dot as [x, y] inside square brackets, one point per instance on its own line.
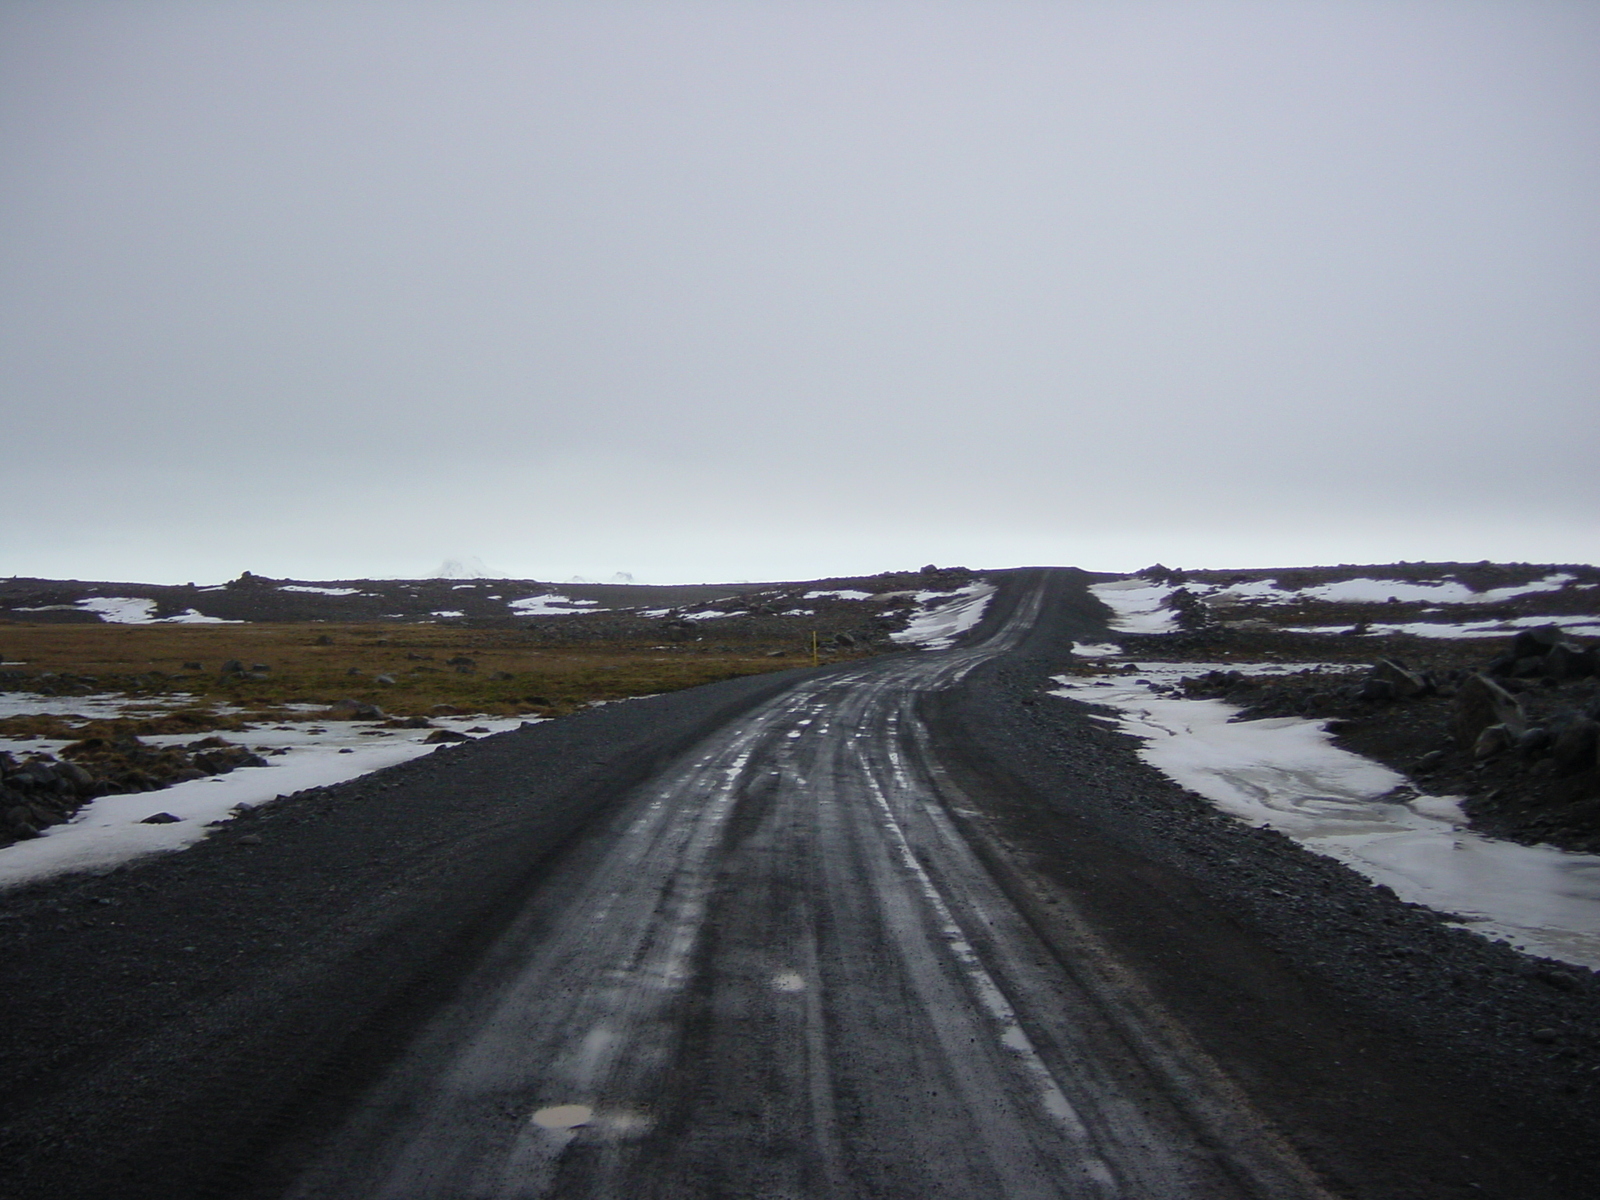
[232, 667]
[354, 710]
[1492, 740]
[450, 710]
[250, 839]
[1407, 683]
[161, 818]
[1536, 643]
[192, 666]
[1568, 660]
[460, 660]
[1532, 741]
[1429, 761]
[446, 735]
[1574, 747]
[323, 640]
[386, 680]
[1376, 691]
[408, 723]
[1480, 703]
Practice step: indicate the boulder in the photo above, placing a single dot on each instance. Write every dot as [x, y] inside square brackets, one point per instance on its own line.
[232, 667]
[1536, 643]
[161, 818]
[1568, 660]
[1492, 740]
[446, 735]
[1407, 683]
[1575, 746]
[1480, 703]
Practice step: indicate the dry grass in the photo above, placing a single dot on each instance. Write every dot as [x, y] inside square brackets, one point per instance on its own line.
[511, 673]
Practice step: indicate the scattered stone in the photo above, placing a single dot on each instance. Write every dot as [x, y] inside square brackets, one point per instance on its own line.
[161, 818]
[446, 735]
[354, 710]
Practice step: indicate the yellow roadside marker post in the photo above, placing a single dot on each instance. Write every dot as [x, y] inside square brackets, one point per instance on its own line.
[814, 659]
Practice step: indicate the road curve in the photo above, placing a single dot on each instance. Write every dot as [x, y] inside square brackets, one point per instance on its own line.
[781, 969]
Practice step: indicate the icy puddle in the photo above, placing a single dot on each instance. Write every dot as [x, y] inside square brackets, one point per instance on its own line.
[1286, 774]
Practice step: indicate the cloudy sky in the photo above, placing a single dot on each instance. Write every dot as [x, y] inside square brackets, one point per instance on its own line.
[789, 288]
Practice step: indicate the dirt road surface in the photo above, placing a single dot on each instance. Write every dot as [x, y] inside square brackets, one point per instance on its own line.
[900, 928]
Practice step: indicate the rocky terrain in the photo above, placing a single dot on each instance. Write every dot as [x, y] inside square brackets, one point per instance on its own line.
[868, 609]
[1511, 723]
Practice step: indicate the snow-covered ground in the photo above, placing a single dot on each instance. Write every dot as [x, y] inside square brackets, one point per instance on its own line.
[945, 616]
[838, 594]
[129, 610]
[305, 754]
[1285, 773]
[552, 606]
[1139, 606]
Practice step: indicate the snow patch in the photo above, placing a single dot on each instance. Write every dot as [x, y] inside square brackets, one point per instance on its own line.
[319, 591]
[108, 832]
[838, 594]
[552, 605]
[1137, 605]
[1285, 773]
[946, 616]
[1096, 649]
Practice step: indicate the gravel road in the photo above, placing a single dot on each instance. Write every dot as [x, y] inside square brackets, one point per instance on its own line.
[901, 928]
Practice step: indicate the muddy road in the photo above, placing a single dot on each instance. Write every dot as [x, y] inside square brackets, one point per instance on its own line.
[899, 928]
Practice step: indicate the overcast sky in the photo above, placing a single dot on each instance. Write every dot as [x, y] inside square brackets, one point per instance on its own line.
[756, 290]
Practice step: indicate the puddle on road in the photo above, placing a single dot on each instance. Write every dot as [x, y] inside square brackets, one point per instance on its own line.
[1286, 774]
[563, 1116]
[788, 981]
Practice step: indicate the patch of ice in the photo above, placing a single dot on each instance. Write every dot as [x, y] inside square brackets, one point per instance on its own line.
[108, 832]
[946, 616]
[1137, 605]
[320, 591]
[449, 612]
[1285, 773]
[799, 612]
[838, 594]
[552, 605]
[709, 614]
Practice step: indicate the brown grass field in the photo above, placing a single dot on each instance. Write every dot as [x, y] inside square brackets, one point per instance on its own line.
[318, 664]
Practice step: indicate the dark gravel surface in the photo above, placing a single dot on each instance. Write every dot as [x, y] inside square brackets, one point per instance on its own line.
[1404, 1057]
[167, 1023]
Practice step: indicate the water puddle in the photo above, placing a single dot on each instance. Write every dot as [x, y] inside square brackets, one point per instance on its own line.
[1284, 773]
